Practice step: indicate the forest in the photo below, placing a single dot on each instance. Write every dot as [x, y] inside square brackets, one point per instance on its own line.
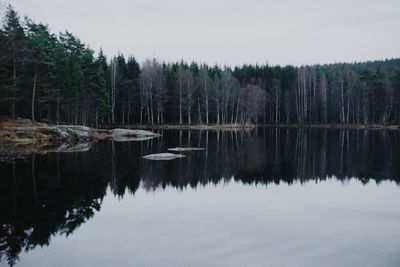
[56, 78]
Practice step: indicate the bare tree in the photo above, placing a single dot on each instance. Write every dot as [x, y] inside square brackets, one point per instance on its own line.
[189, 90]
[203, 86]
[180, 92]
[253, 103]
[324, 97]
[114, 78]
[152, 91]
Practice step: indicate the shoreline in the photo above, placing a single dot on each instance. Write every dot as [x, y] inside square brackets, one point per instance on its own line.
[253, 126]
[335, 126]
[196, 126]
[23, 131]
[20, 136]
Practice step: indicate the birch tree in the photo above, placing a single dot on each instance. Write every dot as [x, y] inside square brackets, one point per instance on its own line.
[114, 79]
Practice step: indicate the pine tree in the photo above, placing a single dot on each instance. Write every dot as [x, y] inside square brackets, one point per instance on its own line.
[40, 43]
[12, 40]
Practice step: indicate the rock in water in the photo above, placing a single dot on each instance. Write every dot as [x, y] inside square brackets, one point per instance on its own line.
[53, 132]
[132, 133]
[163, 156]
[183, 149]
[129, 139]
[64, 132]
[77, 131]
[68, 147]
[121, 135]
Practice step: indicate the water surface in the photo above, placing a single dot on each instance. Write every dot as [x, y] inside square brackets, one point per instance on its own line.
[269, 197]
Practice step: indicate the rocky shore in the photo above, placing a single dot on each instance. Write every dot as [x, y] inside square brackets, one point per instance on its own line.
[21, 136]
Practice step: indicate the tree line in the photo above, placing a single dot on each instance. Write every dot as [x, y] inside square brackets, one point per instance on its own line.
[59, 79]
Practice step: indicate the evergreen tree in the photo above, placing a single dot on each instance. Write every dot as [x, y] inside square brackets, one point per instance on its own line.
[40, 44]
[12, 42]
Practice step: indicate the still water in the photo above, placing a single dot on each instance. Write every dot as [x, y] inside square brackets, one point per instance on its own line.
[267, 197]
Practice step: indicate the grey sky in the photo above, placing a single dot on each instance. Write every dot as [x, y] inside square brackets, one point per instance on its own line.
[229, 32]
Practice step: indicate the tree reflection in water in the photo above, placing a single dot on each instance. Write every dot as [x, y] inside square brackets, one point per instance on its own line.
[55, 193]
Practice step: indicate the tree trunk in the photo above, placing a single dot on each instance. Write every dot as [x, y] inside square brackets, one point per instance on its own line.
[199, 109]
[206, 94]
[342, 117]
[58, 108]
[15, 87]
[180, 95]
[33, 94]
[129, 109]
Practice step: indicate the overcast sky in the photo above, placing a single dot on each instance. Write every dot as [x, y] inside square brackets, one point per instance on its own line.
[228, 32]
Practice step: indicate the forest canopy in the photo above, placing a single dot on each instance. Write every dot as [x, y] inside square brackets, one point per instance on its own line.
[57, 78]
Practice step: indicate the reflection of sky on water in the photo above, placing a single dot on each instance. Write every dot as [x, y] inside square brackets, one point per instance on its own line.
[313, 224]
[273, 195]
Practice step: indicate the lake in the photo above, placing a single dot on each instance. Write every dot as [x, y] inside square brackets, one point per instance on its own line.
[265, 197]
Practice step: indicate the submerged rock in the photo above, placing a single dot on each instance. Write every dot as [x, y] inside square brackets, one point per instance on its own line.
[184, 149]
[128, 139]
[124, 135]
[131, 133]
[164, 156]
[67, 147]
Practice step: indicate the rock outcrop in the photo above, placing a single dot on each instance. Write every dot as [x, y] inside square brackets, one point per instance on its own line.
[78, 132]
[19, 137]
[163, 156]
[24, 131]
